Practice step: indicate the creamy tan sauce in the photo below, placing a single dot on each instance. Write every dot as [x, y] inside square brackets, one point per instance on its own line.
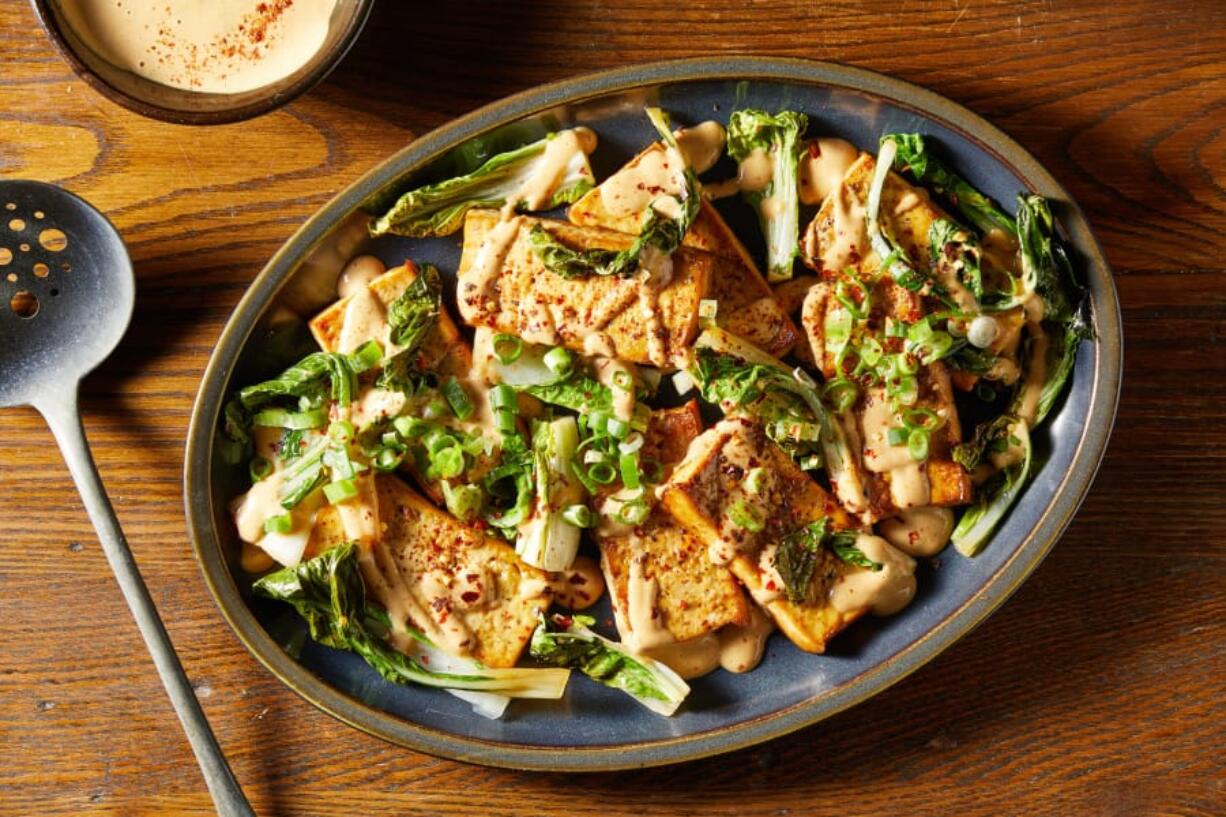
[655, 177]
[823, 166]
[263, 502]
[564, 153]
[358, 274]
[918, 531]
[475, 298]
[849, 231]
[702, 145]
[359, 514]
[884, 591]
[364, 319]
[689, 659]
[1015, 452]
[376, 404]
[755, 172]
[609, 371]
[579, 586]
[722, 189]
[909, 485]
[655, 271]
[208, 46]
[646, 625]
[1000, 250]
[741, 647]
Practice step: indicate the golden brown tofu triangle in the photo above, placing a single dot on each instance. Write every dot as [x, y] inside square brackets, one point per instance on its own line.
[443, 350]
[468, 592]
[746, 304]
[836, 244]
[623, 317]
[693, 595]
[708, 490]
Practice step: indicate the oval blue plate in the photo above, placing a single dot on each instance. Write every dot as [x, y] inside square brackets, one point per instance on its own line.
[595, 728]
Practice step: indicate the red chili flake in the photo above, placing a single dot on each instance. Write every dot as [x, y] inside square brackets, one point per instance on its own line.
[563, 621]
[770, 585]
[577, 578]
[815, 149]
[469, 596]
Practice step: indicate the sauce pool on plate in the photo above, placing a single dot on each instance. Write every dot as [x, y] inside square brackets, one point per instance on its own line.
[208, 46]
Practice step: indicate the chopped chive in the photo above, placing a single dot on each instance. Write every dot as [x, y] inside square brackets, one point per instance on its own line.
[410, 428]
[505, 420]
[463, 501]
[633, 512]
[743, 515]
[457, 398]
[601, 473]
[448, 462]
[366, 356]
[341, 431]
[580, 516]
[388, 459]
[280, 418]
[628, 464]
[617, 429]
[507, 348]
[503, 396]
[281, 523]
[558, 360]
[340, 490]
[259, 468]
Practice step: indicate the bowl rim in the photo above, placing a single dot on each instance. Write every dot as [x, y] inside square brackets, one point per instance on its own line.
[48, 19]
[1069, 493]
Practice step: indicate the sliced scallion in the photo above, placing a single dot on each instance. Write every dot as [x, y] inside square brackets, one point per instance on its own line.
[340, 490]
[917, 445]
[280, 418]
[743, 515]
[259, 468]
[281, 523]
[628, 464]
[366, 356]
[580, 516]
[461, 404]
[503, 396]
[507, 348]
[559, 360]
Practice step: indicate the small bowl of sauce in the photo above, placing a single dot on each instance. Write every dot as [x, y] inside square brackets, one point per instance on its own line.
[202, 61]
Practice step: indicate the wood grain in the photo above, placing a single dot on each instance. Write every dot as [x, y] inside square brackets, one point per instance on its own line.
[1097, 690]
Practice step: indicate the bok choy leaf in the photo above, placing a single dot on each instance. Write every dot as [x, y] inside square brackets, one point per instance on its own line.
[778, 203]
[569, 642]
[439, 209]
[328, 592]
[660, 233]
[995, 496]
[913, 156]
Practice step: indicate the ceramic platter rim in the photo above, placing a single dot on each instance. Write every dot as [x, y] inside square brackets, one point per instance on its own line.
[1101, 367]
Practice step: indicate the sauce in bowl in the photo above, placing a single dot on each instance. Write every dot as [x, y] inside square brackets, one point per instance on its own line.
[207, 46]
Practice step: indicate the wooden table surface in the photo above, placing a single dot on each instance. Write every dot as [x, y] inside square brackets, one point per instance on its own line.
[1100, 688]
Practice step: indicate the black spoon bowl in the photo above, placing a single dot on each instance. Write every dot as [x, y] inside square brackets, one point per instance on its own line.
[66, 298]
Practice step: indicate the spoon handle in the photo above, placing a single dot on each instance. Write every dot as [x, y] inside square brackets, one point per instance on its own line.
[61, 414]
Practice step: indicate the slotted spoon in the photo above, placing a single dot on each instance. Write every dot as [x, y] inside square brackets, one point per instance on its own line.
[67, 292]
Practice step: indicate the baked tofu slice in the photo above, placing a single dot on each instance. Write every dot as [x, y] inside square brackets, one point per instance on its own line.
[707, 495]
[694, 596]
[746, 305]
[443, 349]
[468, 592]
[504, 285]
[836, 243]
